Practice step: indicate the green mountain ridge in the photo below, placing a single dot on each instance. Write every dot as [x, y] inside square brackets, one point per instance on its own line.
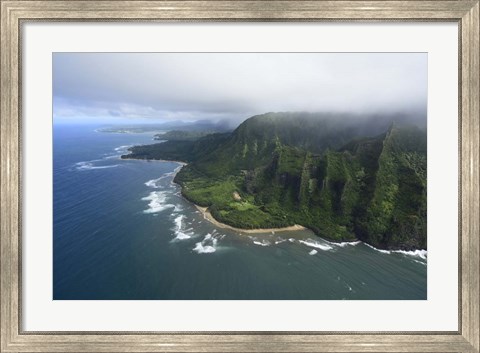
[345, 178]
[182, 135]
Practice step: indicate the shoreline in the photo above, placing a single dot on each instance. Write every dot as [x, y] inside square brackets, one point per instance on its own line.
[151, 160]
[208, 216]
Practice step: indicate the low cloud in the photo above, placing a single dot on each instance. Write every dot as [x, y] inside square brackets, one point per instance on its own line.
[219, 86]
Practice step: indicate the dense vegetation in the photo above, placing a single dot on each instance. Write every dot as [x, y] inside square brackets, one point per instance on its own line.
[185, 151]
[345, 177]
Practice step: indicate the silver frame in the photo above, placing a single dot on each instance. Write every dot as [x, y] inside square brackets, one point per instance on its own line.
[14, 13]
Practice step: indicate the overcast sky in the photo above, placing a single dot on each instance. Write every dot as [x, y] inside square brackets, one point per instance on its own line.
[140, 87]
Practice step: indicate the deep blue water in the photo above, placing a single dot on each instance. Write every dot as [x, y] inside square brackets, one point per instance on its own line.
[123, 231]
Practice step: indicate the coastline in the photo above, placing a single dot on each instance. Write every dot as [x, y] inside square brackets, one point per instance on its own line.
[422, 253]
[208, 216]
[124, 157]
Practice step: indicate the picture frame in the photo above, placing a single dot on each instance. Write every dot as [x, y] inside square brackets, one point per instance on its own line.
[15, 339]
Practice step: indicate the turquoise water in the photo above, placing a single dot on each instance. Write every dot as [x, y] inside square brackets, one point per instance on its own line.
[123, 231]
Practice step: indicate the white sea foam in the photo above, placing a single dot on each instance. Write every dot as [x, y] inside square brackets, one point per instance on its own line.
[115, 156]
[179, 235]
[420, 262]
[180, 232]
[342, 244]
[417, 253]
[347, 243]
[291, 240]
[122, 148]
[280, 240]
[379, 250]
[158, 202]
[178, 208]
[203, 247]
[262, 243]
[89, 165]
[152, 183]
[314, 244]
[313, 252]
[179, 222]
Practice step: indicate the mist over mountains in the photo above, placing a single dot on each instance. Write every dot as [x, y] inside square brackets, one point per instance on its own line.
[363, 121]
[344, 176]
[132, 88]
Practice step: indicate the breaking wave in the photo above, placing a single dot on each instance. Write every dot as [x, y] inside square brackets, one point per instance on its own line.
[417, 253]
[123, 148]
[422, 254]
[262, 243]
[88, 165]
[206, 246]
[180, 232]
[314, 244]
[154, 183]
[158, 202]
[379, 250]
[203, 249]
[347, 243]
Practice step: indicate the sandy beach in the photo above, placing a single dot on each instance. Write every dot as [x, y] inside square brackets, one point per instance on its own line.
[208, 216]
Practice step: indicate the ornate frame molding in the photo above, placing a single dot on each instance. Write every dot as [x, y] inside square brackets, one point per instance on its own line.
[14, 13]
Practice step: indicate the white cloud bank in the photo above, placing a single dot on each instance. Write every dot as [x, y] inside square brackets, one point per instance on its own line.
[191, 86]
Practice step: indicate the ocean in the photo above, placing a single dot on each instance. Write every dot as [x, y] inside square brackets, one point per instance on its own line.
[121, 230]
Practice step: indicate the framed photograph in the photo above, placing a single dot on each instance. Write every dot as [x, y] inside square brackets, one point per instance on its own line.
[240, 176]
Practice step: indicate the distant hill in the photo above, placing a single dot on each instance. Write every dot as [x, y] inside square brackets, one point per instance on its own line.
[344, 176]
[182, 135]
[192, 128]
